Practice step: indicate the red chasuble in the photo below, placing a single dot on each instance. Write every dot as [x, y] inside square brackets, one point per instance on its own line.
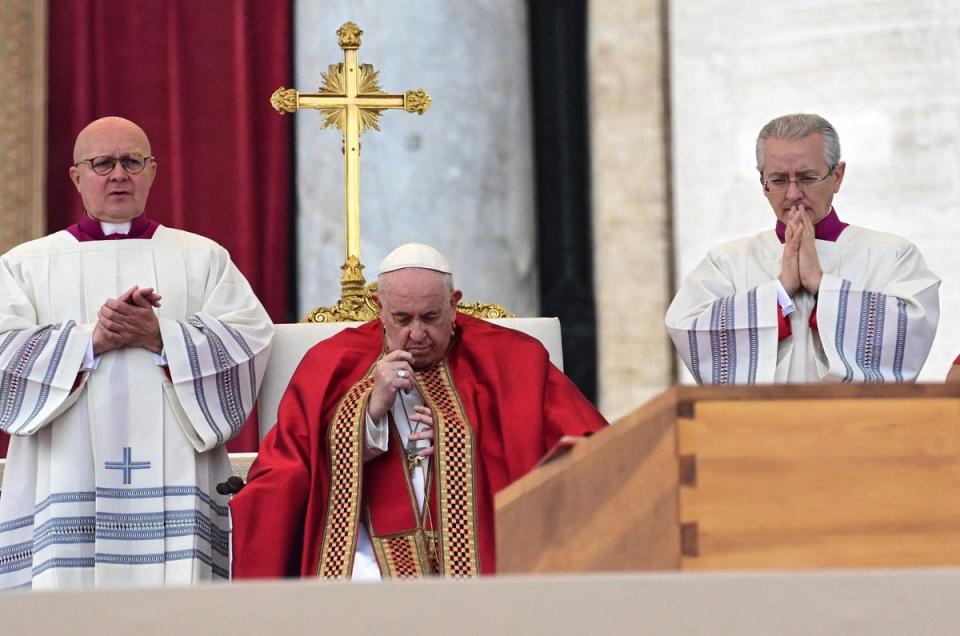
[498, 406]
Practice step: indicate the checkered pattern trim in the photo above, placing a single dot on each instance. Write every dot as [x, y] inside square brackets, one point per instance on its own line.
[399, 557]
[345, 457]
[428, 550]
[453, 438]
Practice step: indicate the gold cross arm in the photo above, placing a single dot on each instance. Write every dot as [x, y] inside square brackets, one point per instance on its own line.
[288, 100]
[350, 99]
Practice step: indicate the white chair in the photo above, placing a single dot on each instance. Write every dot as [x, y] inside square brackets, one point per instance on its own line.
[291, 341]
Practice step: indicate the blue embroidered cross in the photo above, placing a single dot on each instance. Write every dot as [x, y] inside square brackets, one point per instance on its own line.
[127, 466]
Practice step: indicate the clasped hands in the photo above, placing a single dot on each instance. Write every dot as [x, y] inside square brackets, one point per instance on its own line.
[801, 267]
[395, 373]
[128, 321]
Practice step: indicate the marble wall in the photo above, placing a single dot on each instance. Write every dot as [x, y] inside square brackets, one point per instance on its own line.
[630, 201]
[668, 183]
[886, 73]
[459, 177]
[23, 45]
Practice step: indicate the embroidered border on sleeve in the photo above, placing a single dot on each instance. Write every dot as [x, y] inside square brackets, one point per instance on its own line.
[694, 353]
[840, 333]
[753, 335]
[194, 360]
[227, 376]
[14, 383]
[52, 369]
[901, 339]
[251, 367]
[870, 335]
[723, 341]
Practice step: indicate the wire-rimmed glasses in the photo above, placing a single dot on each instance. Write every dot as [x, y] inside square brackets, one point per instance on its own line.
[132, 163]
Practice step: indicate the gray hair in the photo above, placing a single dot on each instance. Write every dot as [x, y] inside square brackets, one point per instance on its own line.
[798, 126]
[382, 279]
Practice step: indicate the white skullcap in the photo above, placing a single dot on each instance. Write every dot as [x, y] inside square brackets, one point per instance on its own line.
[414, 255]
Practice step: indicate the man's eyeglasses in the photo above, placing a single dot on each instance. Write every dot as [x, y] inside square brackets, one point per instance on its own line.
[132, 163]
[780, 184]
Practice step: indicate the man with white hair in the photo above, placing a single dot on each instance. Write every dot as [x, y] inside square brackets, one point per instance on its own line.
[393, 438]
[814, 299]
[118, 407]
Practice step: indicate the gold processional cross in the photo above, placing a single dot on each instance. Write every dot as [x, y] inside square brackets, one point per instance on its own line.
[351, 99]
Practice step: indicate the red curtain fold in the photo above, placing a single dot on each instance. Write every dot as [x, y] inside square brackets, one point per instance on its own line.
[197, 76]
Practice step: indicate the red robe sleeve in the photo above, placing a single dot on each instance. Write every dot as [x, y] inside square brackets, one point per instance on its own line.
[566, 410]
[784, 330]
[278, 516]
[519, 401]
[268, 514]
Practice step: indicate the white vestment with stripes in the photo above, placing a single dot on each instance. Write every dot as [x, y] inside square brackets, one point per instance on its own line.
[876, 313]
[113, 482]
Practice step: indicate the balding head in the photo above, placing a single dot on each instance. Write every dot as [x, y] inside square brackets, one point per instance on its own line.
[119, 196]
[108, 127]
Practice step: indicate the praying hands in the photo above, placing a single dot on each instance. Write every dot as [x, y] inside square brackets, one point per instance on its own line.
[128, 321]
[801, 267]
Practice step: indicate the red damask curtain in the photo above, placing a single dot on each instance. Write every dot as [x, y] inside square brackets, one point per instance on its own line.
[197, 76]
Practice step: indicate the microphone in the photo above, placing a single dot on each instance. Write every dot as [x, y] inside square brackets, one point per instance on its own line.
[232, 486]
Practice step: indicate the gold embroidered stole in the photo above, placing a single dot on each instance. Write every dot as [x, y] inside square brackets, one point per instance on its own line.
[450, 548]
[345, 459]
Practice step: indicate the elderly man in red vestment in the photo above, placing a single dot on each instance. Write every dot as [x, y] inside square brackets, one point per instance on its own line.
[393, 438]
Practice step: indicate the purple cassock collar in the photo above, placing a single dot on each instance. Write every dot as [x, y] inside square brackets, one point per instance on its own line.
[89, 229]
[828, 229]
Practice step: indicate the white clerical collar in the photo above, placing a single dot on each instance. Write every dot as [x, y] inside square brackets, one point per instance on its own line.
[115, 228]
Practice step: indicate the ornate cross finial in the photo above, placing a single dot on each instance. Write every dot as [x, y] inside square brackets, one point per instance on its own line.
[349, 35]
[351, 99]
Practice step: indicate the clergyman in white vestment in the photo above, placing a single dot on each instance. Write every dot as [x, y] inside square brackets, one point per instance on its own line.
[126, 366]
[815, 299]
